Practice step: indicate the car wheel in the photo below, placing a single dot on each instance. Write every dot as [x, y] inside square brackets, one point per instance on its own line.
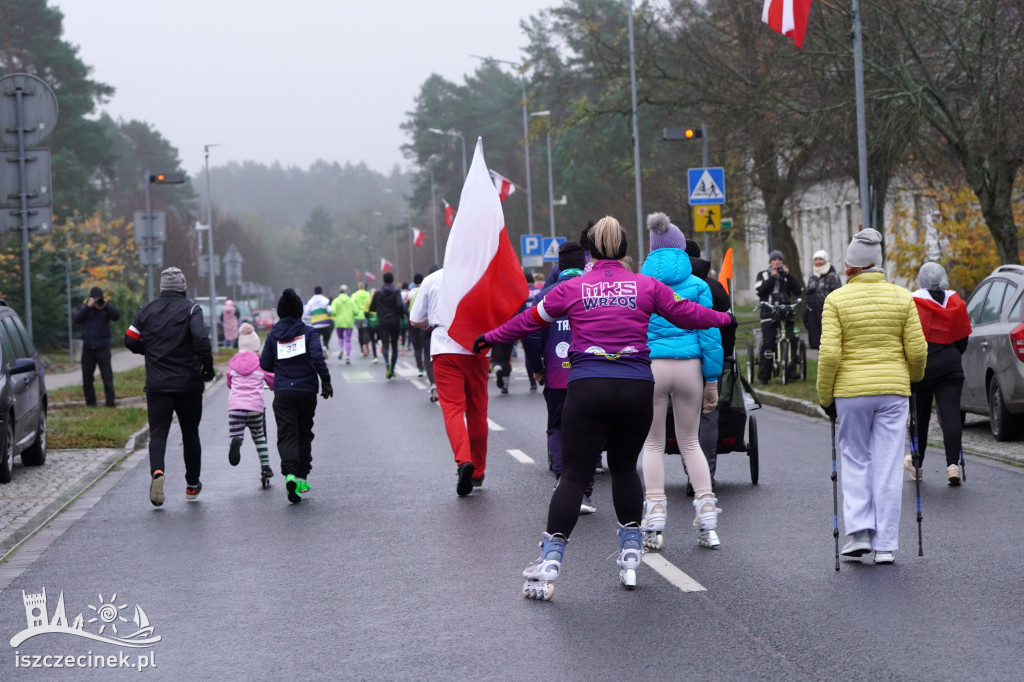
[7, 451]
[1003, 424]
[35, 454]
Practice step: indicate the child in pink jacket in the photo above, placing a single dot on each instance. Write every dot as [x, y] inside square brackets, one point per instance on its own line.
[245, 380]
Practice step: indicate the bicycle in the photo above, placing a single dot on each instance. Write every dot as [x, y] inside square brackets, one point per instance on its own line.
[781, 355]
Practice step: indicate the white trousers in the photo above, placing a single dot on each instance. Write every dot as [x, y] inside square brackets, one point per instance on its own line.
[872, 432]
[682, 382]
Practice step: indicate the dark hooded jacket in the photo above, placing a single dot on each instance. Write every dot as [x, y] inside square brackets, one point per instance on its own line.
[720, 302]
[171, 333]
[299, 371]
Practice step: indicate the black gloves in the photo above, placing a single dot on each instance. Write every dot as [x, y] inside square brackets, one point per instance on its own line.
[830, 411]
[325, 389]
[208, 373]
[480, 344]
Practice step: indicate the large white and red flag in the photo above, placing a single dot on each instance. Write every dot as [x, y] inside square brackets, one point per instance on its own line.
[483, 282]
[449, 213]
[502, 184]
[417, 237]
[788, 17]
[385, 265]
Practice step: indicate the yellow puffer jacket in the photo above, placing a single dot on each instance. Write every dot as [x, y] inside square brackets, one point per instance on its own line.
[871, 340]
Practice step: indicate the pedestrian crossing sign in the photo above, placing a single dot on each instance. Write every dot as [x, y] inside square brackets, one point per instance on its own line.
[707, 218]
[551, 245]
[707, 186]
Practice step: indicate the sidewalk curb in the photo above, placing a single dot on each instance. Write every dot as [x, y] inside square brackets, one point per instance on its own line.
[810, 409]
[43, 518]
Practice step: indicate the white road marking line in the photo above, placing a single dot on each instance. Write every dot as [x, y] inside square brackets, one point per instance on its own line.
[669, 572]
[422, 385]
[521, 456]
[493, 425]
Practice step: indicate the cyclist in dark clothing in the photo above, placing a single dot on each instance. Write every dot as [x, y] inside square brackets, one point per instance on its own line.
[775, 285]
[171, 333]
[390, 309]
[95, 316]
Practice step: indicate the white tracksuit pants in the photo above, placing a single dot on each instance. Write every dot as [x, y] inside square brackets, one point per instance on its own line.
[871, 432]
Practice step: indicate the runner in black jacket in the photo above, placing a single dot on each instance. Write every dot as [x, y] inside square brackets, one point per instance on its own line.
[171, 333]
[387, 303]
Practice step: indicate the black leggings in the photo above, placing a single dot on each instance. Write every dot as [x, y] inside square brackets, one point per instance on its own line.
[599, 414]
[389, 343]
[947, 405]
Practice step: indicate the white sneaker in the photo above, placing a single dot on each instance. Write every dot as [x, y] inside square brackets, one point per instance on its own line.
[953, 475]
[885, 557]
[858, 545]
[908, 464]
[586, 506]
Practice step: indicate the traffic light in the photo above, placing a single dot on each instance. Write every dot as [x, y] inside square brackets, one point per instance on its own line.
[682, 133]
[167, 178]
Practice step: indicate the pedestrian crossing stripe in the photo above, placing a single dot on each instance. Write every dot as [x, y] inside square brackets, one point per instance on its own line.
[706, 189]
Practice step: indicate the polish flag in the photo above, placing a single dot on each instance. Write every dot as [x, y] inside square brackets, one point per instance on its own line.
[357, 273]
[483, 281]
[371, 277]
[449, 213]
[503, 185]
[385, 265]
[417, 237]
[788, 17]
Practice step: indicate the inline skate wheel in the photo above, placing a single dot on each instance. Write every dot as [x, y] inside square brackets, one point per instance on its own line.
[536, 589]
[654, 540]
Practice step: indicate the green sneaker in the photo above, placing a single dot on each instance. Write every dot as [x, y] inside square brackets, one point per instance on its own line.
[303, 486]
[291, 484]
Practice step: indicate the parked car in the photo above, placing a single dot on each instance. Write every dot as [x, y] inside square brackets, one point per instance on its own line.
[243, 308]
[22, 396]
[263, 320]
[994, 360]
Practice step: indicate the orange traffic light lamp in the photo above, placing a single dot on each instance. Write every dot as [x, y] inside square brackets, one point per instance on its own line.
[167, 178]
[682, 133]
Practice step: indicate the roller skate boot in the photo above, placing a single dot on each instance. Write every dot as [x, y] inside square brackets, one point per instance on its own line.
[707, 521]
[540, 575]
[655, 515]
[630, 553]
[266, 473]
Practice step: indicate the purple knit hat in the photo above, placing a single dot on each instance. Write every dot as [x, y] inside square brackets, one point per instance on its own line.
[664, 235]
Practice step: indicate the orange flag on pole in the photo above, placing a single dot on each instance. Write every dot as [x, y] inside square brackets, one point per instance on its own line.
[726, 272]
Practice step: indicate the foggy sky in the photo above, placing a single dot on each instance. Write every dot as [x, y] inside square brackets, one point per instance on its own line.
[289, 81]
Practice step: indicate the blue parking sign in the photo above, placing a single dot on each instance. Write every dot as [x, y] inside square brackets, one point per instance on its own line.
[531, 245]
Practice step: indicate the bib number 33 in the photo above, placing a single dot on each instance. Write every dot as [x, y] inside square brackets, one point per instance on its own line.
[291, 349]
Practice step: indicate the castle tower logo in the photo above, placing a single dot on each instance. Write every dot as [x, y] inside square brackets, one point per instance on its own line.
[108, 618]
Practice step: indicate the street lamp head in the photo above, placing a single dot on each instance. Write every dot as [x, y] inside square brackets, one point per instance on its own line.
[541, 113]
[436, 131]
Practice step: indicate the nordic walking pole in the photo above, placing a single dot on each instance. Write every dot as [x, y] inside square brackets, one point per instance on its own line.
[835, 495]
[916, 459]
[963, 467]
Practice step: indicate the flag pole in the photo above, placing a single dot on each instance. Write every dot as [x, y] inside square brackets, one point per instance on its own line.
[862, 139]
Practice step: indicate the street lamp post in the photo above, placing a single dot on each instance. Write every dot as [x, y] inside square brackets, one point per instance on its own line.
[551, 184]
[454, 133]
[526, 135]
[433, 210]
[636, 142]
[209, 226]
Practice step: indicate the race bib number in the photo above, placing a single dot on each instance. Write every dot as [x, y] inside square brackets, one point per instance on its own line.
[291, 349]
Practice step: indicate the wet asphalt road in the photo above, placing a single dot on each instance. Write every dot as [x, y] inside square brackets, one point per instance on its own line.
[383, 573]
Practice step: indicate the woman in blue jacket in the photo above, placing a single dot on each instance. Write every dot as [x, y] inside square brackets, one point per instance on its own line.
[686, 364]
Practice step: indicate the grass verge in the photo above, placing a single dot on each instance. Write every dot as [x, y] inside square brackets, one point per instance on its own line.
[93, 427]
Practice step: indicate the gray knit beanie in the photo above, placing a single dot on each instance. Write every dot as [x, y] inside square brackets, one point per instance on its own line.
[776, 255]
[932, 276]
[865, 249]
[172, 279]
[664, 235]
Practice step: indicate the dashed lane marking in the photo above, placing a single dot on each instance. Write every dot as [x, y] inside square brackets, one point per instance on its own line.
[669, 572]
[493, 425]
[422, 385]
[521, 456]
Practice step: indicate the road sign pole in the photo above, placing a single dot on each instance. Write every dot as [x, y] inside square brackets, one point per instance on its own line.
[704, 162]
[23, 177]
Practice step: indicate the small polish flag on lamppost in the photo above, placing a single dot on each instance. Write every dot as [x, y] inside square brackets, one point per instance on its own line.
[503, 185]
[449, 213]
[385, 265]
[788, 17]
[357, 273]
[370, 277]
[417, 237]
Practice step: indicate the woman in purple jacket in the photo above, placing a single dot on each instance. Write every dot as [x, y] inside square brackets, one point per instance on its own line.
[610, 391]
